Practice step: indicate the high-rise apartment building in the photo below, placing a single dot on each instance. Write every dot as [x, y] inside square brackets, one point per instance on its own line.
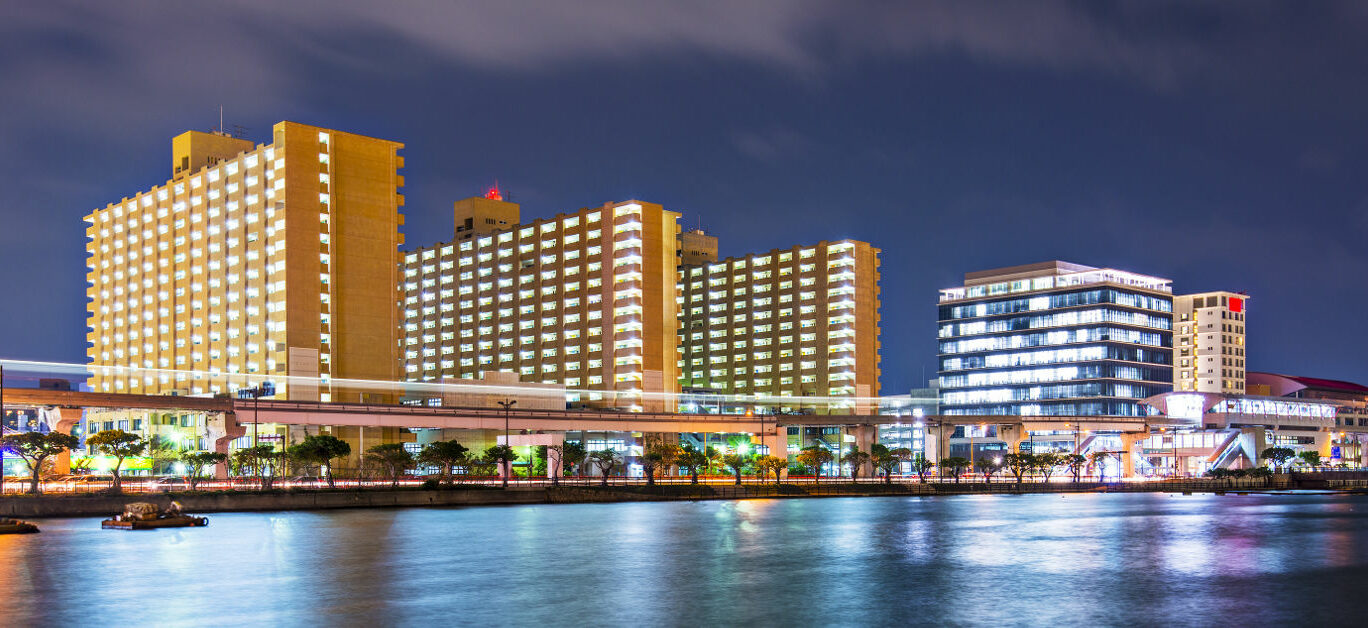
[1209, 342]
[1054, 339]
[584, 299]
[800, 322]
[270, 260]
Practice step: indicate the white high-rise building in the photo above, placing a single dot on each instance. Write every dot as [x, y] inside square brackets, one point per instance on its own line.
[1209, 342]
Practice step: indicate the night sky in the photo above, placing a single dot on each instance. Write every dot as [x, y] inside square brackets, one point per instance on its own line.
[1222, 145]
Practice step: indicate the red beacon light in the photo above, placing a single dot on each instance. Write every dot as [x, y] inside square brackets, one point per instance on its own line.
[494, 193]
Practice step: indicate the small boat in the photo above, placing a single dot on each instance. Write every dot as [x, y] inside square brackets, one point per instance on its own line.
[145, 516]
[15, 526]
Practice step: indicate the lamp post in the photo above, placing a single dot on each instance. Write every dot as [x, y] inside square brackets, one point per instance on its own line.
[507, 405]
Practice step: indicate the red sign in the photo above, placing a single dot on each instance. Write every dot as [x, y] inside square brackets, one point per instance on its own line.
[1236, 304]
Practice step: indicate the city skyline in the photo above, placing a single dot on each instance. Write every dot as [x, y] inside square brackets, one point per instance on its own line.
[1196, 187]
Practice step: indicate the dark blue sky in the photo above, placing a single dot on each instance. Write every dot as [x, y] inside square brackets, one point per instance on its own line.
[1221, 145]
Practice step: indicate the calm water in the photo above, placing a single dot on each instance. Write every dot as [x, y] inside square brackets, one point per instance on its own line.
[1135, 559]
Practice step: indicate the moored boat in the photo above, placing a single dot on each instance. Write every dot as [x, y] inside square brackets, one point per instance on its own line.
[145, 516]
[15, 526]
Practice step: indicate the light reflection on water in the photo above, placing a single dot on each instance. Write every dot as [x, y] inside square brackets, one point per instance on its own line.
[1013, 560]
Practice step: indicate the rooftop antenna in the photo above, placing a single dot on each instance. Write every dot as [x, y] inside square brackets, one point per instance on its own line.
[220, 126]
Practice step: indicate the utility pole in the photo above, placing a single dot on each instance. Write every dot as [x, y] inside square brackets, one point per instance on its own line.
[507, 405]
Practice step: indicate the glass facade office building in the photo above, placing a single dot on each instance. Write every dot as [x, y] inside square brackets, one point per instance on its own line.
[1054, 339]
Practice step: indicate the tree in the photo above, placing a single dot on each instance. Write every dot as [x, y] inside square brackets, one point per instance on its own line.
[1099, 461]
[657, 457]
[737, 462]
[955, 465]
[922, 465]
[856, 459]
[574, 457]
[815, 456]
[320, 450]
[261, 461]
[693, 460]
[1278, 455]
[393, 457]
[606, 460]
[120, 445]
[1311, 458]
[196, 461]
[988, 467]
[443, 454]
[1046, 463]
[888, 460]
[555, 462]
[1074, 462]
[1263, 473]
[504, 455]
[773, 464]
[1019, 463]
[161, 452]
[35, 448]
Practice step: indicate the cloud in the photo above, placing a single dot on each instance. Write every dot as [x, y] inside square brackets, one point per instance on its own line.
[771, 145]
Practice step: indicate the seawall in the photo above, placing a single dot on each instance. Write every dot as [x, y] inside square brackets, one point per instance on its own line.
[87, 505]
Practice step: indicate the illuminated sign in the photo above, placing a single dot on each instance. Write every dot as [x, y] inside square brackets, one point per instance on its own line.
[1276, 407]
[1236, 304]
[1188, 407]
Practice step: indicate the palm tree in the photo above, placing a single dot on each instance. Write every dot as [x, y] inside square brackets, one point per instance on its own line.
[736, 462]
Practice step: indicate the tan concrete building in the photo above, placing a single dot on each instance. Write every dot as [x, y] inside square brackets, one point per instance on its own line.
[801, 322]
[254, 262]
[584, 299]
[1209, 342]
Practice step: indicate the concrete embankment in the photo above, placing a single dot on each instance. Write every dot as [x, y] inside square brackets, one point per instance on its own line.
[224, 501]
[227, 501]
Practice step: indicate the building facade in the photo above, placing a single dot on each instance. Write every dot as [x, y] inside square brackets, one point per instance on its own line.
[1054, 339]
[584, 299]
[1209, 342]
[252, 263]
[801, 322]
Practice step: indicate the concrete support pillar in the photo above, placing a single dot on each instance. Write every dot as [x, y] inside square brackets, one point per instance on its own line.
[1129, 442]
[1012, 435]
[777, 441]
[67, 419]
[865, 436]
[1322, 445]
[555, 470]
[222, 429]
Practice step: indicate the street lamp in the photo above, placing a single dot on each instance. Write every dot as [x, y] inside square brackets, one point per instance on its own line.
[507, 405]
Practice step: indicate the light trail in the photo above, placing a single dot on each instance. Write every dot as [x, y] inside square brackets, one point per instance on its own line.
[528, 389]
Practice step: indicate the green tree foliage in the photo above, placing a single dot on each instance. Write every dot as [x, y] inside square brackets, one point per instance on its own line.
[575, 454]
[856, 459]
[120, 445]
[657, 457]
[1099, 461]
[605, 460]
[161, 452]
[1046, 463]
[444, 454]
[35, 448]
[815, 456]
[504, 456]
[1019, 463]
[889, 460]
[1074, 463]
[197, 461]
[262, 461]
[737, 463]
[1278, 455]
[393, 458]
[955, 465]
[989, 466]
[922, 465]
[1310, 458]
[772, 464]
[692, 460]
[320, 450]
